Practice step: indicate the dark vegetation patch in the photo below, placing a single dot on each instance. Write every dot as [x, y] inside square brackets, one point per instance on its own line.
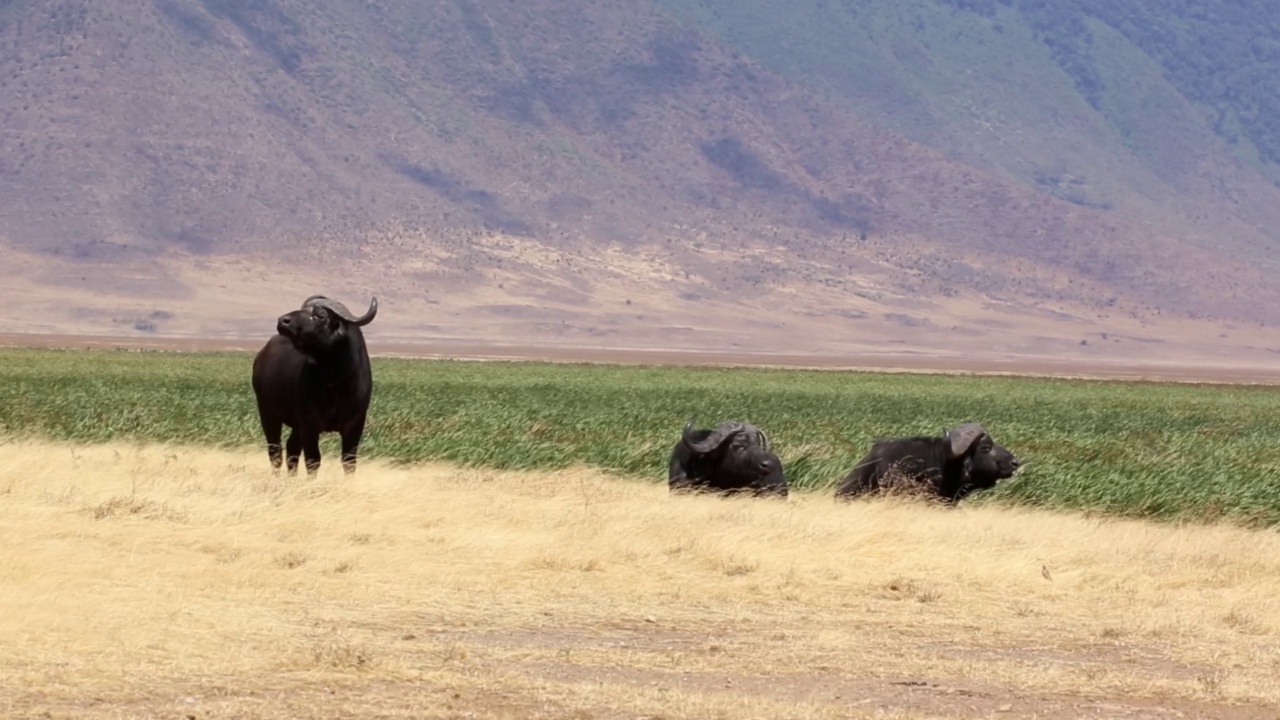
[483, 203]
[185, 16]
[751, 172]
[272, 31]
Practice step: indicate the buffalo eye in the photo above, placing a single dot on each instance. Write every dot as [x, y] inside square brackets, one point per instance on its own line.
[326, 317]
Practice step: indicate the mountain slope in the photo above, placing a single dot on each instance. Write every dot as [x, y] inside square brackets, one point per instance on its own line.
[615, 172]
[1043, 93]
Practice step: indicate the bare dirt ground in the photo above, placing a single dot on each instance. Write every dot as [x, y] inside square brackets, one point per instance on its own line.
[189, 583]
[618, 306]
[1122, 369]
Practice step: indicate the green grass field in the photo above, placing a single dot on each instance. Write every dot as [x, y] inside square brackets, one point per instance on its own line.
[1141, 449]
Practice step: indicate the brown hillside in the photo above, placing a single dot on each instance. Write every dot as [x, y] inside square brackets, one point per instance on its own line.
[536, 171]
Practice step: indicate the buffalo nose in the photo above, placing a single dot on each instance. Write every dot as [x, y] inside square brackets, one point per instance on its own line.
[1016, 463]
[766, 465]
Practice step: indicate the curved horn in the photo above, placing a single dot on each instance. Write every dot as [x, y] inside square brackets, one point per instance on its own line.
[962, 437]
[341, 310]
[762, 438]
[721, 433]
[688, 429]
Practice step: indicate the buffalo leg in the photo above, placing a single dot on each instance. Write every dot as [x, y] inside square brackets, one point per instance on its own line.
[292, 449]
[350, 444]
[863, 479]
[678, 480]
[271, 428]
[771, 489]
[311, 450]
[680, 484]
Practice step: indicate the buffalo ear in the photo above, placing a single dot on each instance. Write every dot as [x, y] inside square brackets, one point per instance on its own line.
[336, 325]
[962, 437]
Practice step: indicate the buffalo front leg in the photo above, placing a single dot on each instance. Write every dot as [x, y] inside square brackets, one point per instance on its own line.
[678, 481]
[311, 451]
[271, 429]
[350, 445]
[778, 489]
[292, 449]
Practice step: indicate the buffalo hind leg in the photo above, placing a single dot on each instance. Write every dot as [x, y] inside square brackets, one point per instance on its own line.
[272, 428]
[292, 449]
[350, 445]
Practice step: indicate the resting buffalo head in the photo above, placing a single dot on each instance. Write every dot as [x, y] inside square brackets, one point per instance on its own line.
[743, 449]
[986, 462]
[321, 324]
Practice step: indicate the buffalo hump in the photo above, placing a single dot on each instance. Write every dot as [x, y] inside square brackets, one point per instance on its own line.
[948, 466]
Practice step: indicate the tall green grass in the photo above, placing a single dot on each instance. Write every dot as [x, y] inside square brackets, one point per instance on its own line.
[1142, 449]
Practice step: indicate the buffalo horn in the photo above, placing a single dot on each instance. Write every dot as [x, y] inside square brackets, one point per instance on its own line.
[341, 310]
[688, 426]
[962, 437]
[721, 433]
[762, 439]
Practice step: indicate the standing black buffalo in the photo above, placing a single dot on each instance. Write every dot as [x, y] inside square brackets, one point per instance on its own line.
[314, 376]
[733, 457]
[949, 466]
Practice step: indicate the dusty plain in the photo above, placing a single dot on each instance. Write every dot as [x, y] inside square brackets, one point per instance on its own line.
[1124, 368]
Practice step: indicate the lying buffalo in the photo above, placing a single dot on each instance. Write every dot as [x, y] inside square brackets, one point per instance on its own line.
[734, 457]
[314, 376]
[948, 466]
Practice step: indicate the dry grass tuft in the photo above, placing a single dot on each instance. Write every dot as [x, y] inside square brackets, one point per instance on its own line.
[147, 581]
[122, 506]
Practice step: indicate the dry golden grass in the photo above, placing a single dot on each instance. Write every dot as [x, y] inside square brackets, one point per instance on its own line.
[180, 582]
